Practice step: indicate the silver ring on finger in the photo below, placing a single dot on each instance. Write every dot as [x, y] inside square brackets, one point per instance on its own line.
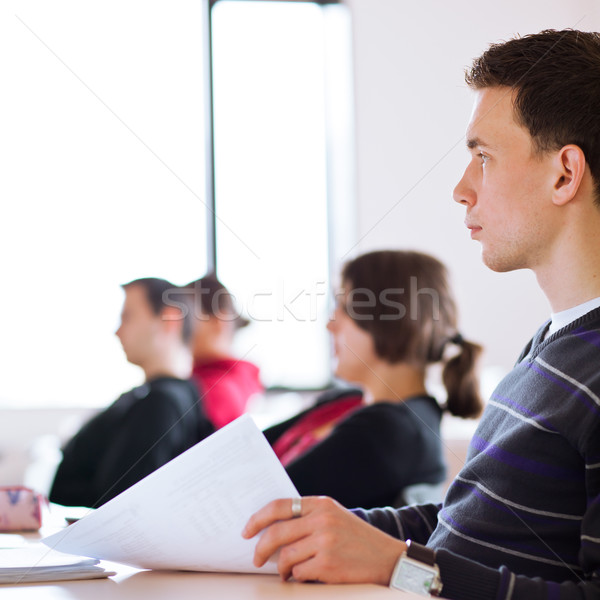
[296, 508]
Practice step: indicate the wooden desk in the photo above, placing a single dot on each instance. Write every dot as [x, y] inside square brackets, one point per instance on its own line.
[129, 584]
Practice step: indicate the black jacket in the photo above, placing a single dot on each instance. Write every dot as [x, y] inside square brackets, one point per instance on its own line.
[141, 431]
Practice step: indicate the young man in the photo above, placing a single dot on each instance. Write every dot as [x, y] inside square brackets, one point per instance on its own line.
[149, 425]
[522, 519]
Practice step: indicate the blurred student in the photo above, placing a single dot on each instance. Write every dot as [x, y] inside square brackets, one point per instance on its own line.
[152, 423]
[395, 316]
[225, 382]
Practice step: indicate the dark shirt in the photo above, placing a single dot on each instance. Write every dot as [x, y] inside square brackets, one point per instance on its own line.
[141, 431]
[369, 457]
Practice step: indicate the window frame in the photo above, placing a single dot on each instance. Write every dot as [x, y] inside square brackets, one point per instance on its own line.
[342, 229]
[210, 195]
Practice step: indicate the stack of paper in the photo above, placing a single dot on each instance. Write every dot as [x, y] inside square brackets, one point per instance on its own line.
[36, 562]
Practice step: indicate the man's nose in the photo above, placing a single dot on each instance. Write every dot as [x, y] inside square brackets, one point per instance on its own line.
[331, 324]
[464, 192]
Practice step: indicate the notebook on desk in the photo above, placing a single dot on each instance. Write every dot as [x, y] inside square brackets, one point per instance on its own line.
[35, 562]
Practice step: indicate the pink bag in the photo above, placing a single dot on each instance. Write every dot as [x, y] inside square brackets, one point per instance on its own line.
[20, 509]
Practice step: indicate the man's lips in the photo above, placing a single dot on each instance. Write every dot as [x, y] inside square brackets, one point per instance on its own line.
[474, 229]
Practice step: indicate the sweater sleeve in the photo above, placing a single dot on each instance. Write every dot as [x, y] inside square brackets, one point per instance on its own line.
[468, 580]
[364, 458]
[411, 523]
[465, 579]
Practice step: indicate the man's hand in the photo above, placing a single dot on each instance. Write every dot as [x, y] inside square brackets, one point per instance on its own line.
[327, 543]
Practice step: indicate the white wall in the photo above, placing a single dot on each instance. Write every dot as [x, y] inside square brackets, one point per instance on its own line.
[412, 107]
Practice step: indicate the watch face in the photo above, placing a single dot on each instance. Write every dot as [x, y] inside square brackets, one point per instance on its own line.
[413, 576]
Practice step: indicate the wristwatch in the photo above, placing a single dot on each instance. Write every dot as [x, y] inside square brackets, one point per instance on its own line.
[416, 571]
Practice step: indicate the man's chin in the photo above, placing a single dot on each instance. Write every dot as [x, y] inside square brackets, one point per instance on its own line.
[131, 359]
[499, 264]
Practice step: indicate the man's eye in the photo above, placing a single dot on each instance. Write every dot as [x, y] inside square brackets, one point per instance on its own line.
[484, 157]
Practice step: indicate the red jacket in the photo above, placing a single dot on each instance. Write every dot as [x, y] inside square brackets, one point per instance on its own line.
[225, 387]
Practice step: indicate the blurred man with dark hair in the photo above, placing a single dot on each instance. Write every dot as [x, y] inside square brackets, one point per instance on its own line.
[149, 425]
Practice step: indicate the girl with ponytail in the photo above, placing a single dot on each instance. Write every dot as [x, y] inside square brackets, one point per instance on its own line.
[394, 317]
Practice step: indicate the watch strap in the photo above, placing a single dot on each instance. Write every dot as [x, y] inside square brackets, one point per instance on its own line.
[416, 571]
[420, 553]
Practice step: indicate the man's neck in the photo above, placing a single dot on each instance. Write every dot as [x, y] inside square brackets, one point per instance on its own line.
[176, 364]
[571, 282]
[570, 274]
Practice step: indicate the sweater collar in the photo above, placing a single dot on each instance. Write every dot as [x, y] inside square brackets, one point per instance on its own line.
[542, 338]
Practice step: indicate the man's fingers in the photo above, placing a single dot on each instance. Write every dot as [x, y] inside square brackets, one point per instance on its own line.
[294, 554]
[281, 530]
[279, 535]
[278, 510]
[326, 543]
[268, 514]
[307, 570]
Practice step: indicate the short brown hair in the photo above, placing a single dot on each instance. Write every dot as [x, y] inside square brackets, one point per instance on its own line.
[403, 299]
[556, 79]
[161, 293]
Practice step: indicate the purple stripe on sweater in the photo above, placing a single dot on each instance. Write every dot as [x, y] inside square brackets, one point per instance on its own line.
[540, 551]
[522, 463]
[591, 337]
[565, 385]
[523, 410]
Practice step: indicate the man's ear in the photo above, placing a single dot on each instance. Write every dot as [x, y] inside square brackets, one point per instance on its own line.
[172, 317]
[569, 165]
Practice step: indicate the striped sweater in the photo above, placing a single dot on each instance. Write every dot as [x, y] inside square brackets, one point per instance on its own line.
[522, 518]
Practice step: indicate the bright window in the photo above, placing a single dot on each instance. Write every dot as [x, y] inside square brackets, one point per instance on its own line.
[102, 181]
[273, 163]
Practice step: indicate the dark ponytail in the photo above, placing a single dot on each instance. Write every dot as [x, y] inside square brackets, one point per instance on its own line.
[461, 380]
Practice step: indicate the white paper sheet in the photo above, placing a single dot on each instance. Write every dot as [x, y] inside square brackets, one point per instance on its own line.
[189, 514]
[35, 562]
